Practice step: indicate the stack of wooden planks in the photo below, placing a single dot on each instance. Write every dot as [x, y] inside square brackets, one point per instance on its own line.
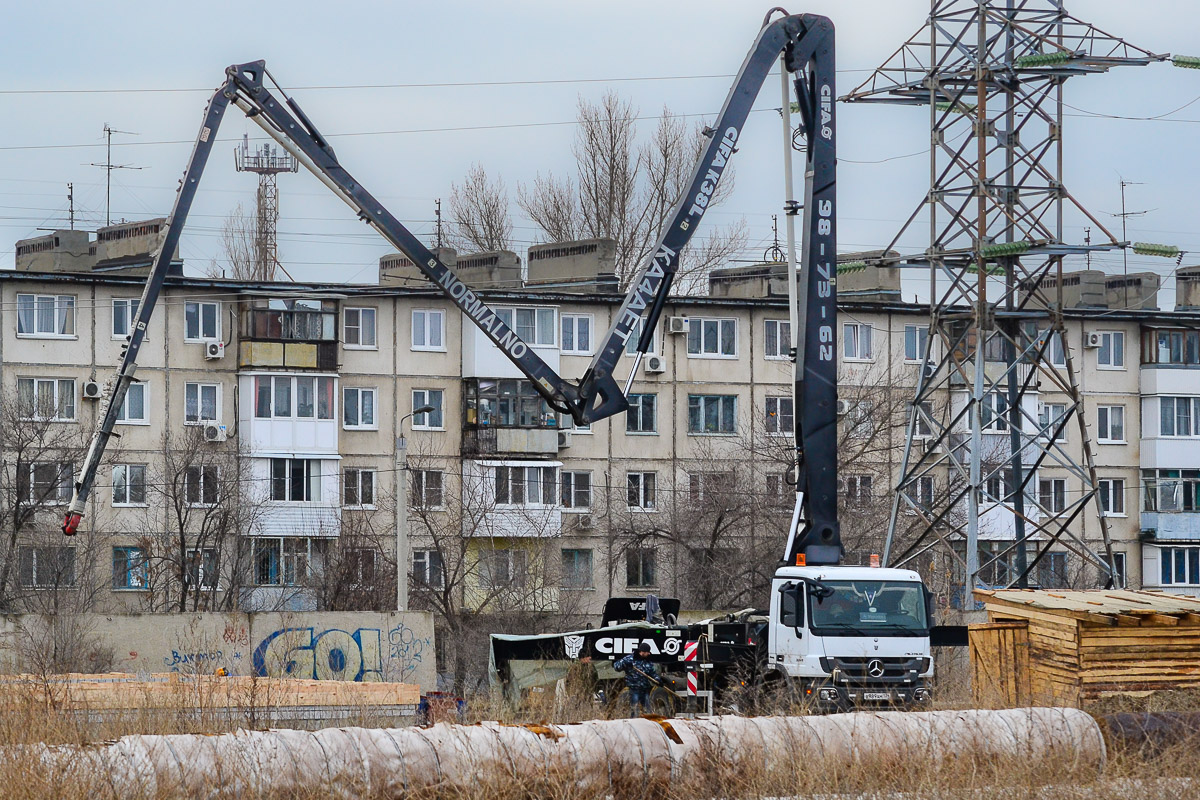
[1066, 647]
[272, 699]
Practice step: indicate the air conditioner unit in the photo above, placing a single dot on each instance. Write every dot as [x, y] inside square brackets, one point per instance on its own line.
[843, 407]
[931, 445]
[655, 365]
[92, 390]
[677, 324]
[1092, 339]
[214, 432]
[564, 440]
[584, 522]
[214, 350]
[930, 370]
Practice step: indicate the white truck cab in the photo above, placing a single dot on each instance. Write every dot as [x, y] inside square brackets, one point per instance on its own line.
[852, 636]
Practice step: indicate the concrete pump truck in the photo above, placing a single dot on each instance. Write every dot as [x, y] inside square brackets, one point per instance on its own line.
[839, 635]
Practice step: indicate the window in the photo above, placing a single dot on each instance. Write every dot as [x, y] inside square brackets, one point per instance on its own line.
[994, 411]
[1111, 353]
[273, 397]
[778, 339]
[358, 488]
[1110, 423]
[133, 407]
[639, 568]
[124, 313]
[1171, 490]
[1120, 575]
[998, 486]
[202, 321]
[427, 569]
[708, 485]
[577, 334]
[576, 490]
[997, 348]
[1112, 496]
[282, 562]
[508, 403]
[1178, 416]
[502, 568]
[780, 418]
[359, 328]
[915, 339]
[1160, 346]
[535, 326]
[295, 480]
[635, 336]
[202, 569]
[856, 341]
[201, 403]
[712, 413]
[358, 409]
[712, 338]
[861, 419]
[46, 315]
[428, 329]
[1050, 419]
[920, 494]
[130, 570]
[1055, 352]
[922, 428]
[857, 487]
[1052, 571]
[1052, 494]
[641, 417]
[46, 399]
[360, 565]
[525, 486]
[200, 485]
[430, 420]
[129, 484]
[640, 490]
[778, 491]
[1180, 565]
[46, 567]
[426, 489]
[576, 569]
[46, 483]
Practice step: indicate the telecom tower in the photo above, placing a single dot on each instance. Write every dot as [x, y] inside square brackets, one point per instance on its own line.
[267, 162]
[991, 73]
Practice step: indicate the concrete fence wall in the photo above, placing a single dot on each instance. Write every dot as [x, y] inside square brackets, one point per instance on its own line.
[332, 645]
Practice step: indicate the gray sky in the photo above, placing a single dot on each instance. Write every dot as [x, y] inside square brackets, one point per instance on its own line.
[148, 68]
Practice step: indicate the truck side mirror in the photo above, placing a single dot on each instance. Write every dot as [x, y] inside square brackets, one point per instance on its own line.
[928, 606]
[791, 607]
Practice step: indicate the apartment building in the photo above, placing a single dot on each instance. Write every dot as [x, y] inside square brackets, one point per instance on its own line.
[258, 463]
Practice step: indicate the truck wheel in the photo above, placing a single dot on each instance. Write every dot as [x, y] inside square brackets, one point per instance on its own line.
[776, 695]
[663, 702]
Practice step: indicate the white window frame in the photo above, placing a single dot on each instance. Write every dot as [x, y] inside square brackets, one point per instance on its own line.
[204, 581]
[36, 554]
[853, 348]
[920, 335]
[355, 476]
[427, 316]
[1057, 491]
[61, 494]
[1104, 423]
[1188, 553]
[646, 500]
[590, 583]
[783, 339]
[1108, 340]
[994, 412]
[1192, 404]
[64, 309]
[294, 397]
[1056, 350]
[428, 569]
[128, 470]
[1048, 419]
[123, 417]
[860, 487]
[359, 392]
[510, 314]
[574, 320]
[420, 422]
[200, 337]
[635, 335]
[779, 410]
[59, 388]
[199, 389]
[362, 313]
[200, 471]
[124, 308]
[568, 495]
[545, 476]
[704, 400]
[418, 494]
[642, 553]
[1112, 495]
[640, 410]
[312, 483]
[697, 332]
[515, 562]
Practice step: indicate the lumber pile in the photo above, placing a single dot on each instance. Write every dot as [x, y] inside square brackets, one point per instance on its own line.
[270, 698]
[1066, 647]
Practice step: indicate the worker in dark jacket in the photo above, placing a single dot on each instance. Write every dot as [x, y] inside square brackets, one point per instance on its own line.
[640, 672]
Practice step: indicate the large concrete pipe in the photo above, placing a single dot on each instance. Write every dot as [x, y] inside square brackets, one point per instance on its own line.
[618, 754]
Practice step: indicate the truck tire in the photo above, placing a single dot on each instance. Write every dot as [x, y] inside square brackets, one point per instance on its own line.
[663, 702]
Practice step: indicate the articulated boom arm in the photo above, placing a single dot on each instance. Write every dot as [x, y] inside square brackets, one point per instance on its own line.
[597, 395]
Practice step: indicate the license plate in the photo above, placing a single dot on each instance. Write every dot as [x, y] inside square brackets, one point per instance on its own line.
[877, 695]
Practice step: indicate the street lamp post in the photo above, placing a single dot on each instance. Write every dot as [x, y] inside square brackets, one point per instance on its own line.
[402, 557]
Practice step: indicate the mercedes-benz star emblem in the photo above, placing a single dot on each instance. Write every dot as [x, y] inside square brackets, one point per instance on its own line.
[875, 668]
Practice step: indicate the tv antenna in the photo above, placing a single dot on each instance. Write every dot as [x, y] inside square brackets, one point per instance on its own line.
[109, 167]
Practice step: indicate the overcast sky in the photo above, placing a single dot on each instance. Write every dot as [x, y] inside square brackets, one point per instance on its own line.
[147, 69]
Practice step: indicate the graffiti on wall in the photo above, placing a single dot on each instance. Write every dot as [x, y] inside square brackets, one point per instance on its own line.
[338, 655]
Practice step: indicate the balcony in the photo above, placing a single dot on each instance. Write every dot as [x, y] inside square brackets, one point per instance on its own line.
[1171, 526]
[507, 416]
[301, 336]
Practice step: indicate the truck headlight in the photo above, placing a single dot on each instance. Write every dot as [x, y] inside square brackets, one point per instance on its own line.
[828, 695]
[922, 695]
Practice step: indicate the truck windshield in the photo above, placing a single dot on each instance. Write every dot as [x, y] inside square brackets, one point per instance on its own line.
[869, 608]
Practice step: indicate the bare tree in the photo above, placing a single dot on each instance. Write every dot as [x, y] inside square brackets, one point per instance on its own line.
[358, 575]
[239, 248]
[626, 192]
[479, 211]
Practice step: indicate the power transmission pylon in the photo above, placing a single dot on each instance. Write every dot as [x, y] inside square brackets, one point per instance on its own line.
[267, 162]
[991, 73]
